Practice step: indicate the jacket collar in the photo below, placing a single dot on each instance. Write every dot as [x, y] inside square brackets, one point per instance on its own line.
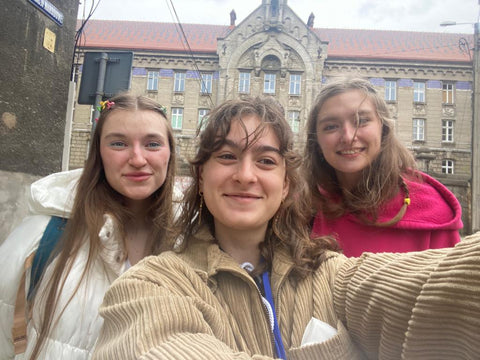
[113, 251]
[210, 259]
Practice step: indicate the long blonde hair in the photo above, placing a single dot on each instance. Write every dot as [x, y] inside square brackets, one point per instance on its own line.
[95, 197]
[380, 181]
[289, 227]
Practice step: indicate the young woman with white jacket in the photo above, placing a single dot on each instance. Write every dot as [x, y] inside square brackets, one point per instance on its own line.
[119, 209]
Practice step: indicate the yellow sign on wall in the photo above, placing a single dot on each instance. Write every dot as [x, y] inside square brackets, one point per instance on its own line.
[49, 40]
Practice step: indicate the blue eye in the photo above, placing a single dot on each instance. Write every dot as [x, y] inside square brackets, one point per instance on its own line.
[154, 145]
[330, 127]
[117, 144]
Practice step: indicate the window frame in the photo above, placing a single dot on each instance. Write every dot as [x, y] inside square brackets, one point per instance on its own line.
[390, 91]
[200, 117]
[272, 79]
[416, 127]
[154, 79]
[294, 121]
[419, 93]
[179, 78]
[206, 83]
[448, 166]
[295, 84]
[176, 118]
[448, 91]
[244, 82]
[448, 130]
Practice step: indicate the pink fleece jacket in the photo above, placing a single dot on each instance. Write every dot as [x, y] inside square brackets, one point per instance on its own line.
[432, 221]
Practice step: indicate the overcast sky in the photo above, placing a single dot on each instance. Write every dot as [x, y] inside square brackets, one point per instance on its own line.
[415, 15]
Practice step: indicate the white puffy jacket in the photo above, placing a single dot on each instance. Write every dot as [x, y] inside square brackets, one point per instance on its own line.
[79, 324]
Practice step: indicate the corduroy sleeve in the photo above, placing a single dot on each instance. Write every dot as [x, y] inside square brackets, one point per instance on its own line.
[421, 305]
[153, 312]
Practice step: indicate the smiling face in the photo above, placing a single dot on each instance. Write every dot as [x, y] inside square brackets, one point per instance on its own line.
[135, 152]
[349, 145]
[243, 188]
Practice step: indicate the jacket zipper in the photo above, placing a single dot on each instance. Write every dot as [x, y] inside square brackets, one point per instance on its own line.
[267, 317]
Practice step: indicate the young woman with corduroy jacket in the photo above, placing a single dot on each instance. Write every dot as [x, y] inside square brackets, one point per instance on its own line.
[246, 281]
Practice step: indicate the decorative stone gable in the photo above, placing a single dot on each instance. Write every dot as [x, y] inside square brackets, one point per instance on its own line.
[272, 40]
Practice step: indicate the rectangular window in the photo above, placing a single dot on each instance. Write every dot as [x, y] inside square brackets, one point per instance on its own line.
[447, 94]
[419, 92]
[390, 90]
[206, 87]
[244, 82]
[179, 82]
[201, 115]
[447, 130]
[152, 80]
[295, 83]
[177, 118]
[269, 83]
[294, 120]
[418, 130]
[447, 166]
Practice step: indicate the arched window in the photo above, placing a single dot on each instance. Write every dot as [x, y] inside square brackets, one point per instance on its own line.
[270, 67]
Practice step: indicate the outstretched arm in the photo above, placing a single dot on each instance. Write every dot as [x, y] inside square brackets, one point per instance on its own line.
[415, 305]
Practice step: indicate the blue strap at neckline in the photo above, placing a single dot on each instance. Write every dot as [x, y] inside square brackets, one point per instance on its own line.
[279, 349]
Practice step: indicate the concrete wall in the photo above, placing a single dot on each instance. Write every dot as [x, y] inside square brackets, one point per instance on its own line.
[35, 64]
[34, 85]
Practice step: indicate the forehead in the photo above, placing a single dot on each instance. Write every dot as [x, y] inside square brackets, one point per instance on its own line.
[133, 121]
[245, 129]
[352, 99]
[346, 106]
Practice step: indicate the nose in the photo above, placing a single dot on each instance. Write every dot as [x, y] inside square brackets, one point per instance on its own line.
[245, 171]
[137, 157]
[349, 131]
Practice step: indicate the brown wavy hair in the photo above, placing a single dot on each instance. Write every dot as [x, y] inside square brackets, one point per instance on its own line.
[289, 227]
[379, 182]
[95, 197]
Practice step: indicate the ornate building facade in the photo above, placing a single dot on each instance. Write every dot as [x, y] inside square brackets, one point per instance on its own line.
[426, 78]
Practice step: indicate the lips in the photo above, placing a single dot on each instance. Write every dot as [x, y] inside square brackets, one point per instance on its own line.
[350, 151]
[243, 196]
[138, 176]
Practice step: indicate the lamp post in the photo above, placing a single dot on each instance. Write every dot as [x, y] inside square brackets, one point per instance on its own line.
[476, 133]
[475, 183]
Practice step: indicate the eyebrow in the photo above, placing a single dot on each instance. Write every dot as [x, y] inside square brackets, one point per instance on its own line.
[121, 135]
[255, 148]
[335, 117]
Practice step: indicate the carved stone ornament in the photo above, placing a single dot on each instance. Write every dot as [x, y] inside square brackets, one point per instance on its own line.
[178, 99]
[448, 111]
[419, 109]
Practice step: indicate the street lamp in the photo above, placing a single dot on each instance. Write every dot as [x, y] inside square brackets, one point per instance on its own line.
[475, 185]
[451, 23]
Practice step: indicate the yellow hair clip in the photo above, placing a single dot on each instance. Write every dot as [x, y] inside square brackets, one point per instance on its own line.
[407, 201]
[107, 104]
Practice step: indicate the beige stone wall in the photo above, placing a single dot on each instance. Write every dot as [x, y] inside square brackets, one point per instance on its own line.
[297, 50]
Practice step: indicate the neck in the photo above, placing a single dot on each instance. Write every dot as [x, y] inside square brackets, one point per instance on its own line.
[138, 208]
[137, 233]
[348, 181]
[242, 245]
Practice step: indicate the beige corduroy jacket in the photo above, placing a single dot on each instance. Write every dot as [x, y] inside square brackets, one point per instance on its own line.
[200, 304]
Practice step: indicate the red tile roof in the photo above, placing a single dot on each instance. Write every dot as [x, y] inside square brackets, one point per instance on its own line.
[343, 43]
[401, 45]
[137, 35]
